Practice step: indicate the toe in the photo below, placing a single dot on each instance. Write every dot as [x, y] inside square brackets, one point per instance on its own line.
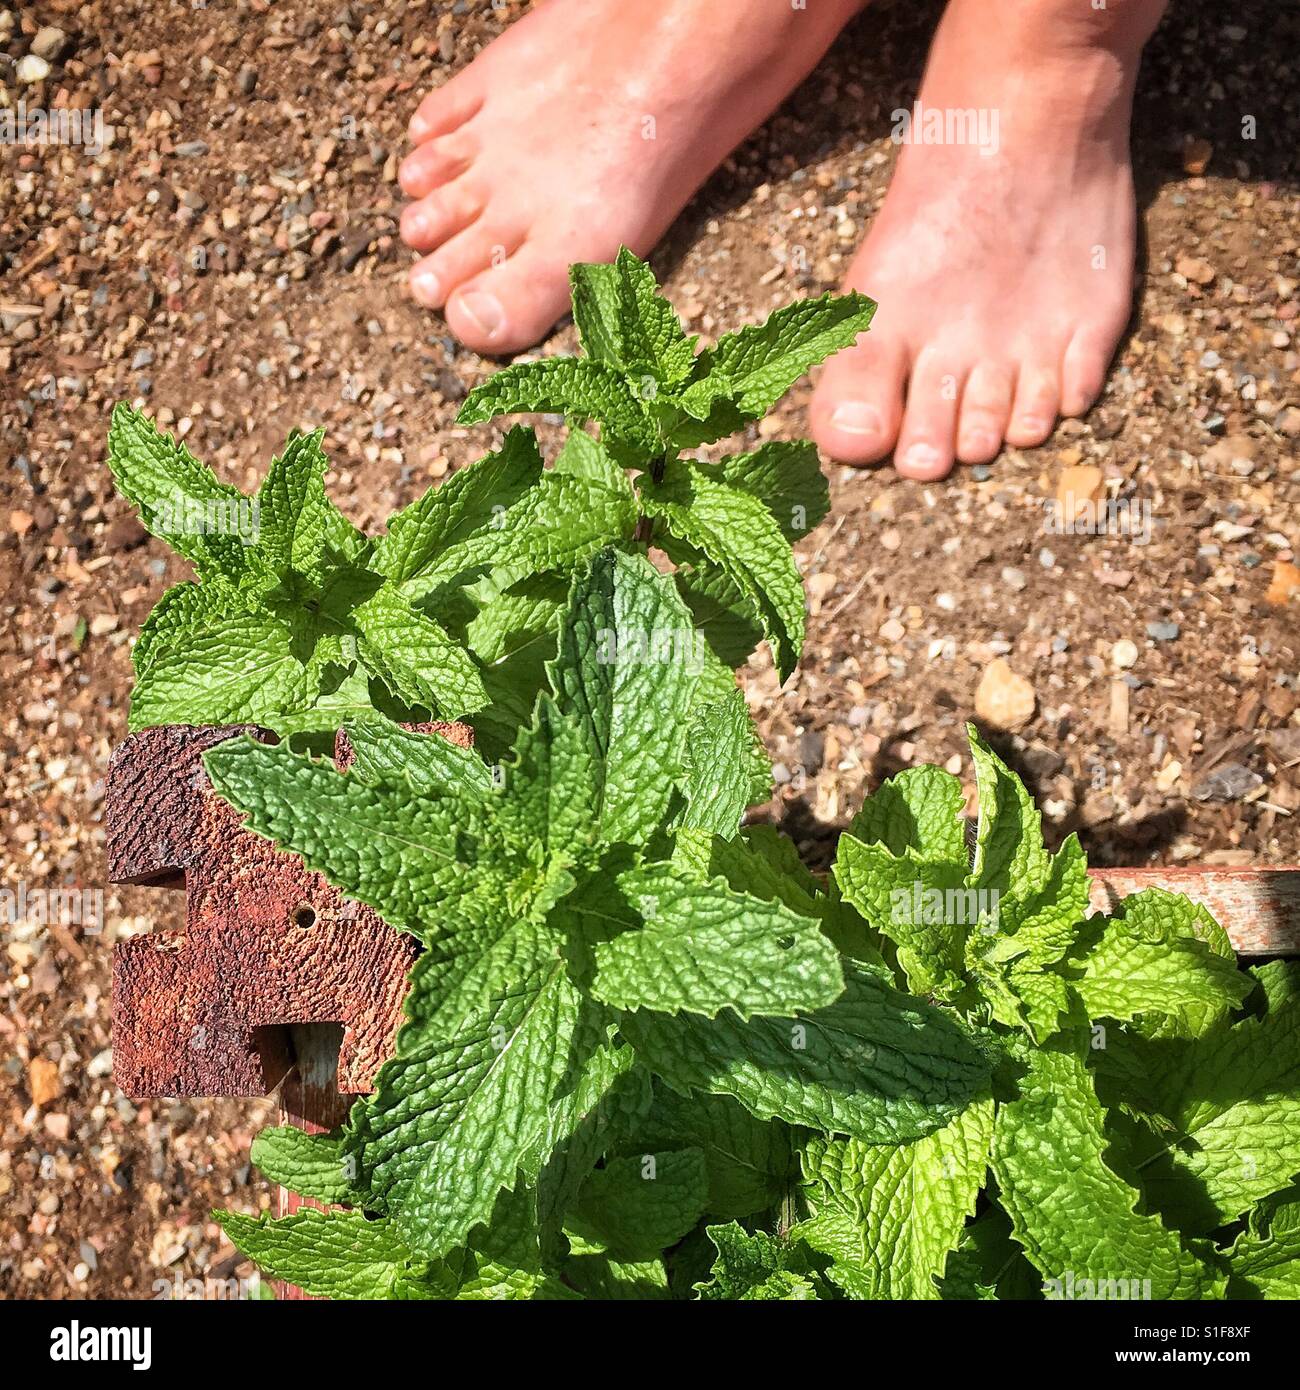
[1038, 401]
[511, 306]
[926, 442]
[435, 219]
[434, 163]
[464, 256]
[443, 110]
[985, 411]
[858, 403]
[1083, 372]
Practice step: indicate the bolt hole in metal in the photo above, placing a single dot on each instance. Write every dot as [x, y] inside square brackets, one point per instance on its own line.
[304, 916]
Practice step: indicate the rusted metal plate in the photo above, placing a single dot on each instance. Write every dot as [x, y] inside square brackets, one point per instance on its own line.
[267, 943]
[1259, 907]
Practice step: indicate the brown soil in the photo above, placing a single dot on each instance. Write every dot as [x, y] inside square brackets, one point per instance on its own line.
[227, 142]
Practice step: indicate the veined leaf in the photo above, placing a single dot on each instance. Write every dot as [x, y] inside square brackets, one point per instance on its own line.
[635, 1207]
[762, 361]
[759, 1267]
[463, 516]
[1072, 1212]
[1232, 1097]
[454, 1115]
[1149, 959]
[337, 1254]
[876, 1064]
[181, 501]
[428, 763]
[383, 845]
[786, 476]
[415, 658]
[705, 947]
[200, 660]
[739, 534]
[890, 1216]
[578, 388]
[920, 809]
[312, 1165]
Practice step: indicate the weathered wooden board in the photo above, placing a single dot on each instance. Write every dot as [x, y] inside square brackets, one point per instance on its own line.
[267, 943]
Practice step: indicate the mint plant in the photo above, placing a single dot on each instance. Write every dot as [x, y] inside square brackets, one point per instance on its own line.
[298, 621]
[727, 525]
[649, 1055]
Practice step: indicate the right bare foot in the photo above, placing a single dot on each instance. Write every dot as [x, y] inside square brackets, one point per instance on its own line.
[583, 128]
[1004, 271]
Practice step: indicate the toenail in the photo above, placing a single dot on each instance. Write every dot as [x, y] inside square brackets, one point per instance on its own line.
[980, 441]
[922, 457]
[424, 284]
[1033, 424]
[484, 310]
[856, 417]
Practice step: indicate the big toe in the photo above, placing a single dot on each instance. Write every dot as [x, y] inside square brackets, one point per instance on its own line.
[858, 403]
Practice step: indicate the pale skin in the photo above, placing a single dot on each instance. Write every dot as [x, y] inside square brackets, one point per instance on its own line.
[1004, 276]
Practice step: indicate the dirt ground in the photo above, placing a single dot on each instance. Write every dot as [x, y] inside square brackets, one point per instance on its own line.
[264, 136]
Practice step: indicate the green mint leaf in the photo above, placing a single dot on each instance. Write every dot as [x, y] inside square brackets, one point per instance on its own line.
[1149, 959]
[594, 288]
[757, 1267]
[606, 1096]
[890, 1216]
[566, 521]
[379, 844]
[601, 1277]
[635, 1207]
[988, 1264]
[584, 456]
[312, 1165]
[918, 809]
[427, 763]
[455, 1114]
[336, 1254]
[1042, 926]
[459, 524]
[750, 1162]
[876, 1064]
[787, 478]
[1264, 1262]
[201, 660]
[1232, 1098]
[762, 361]
[724, 777]
[577, 388]
[1010, 857]
[922, 906]
[623, 687]
[210, 523]
[299, 527]
[1072, 1212]
[414, 657]
[624, 321]
[705, 947]
[723, 615]
[737, 533]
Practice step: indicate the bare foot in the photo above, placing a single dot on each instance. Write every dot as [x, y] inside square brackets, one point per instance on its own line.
[1004, 273]
[587, 125]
